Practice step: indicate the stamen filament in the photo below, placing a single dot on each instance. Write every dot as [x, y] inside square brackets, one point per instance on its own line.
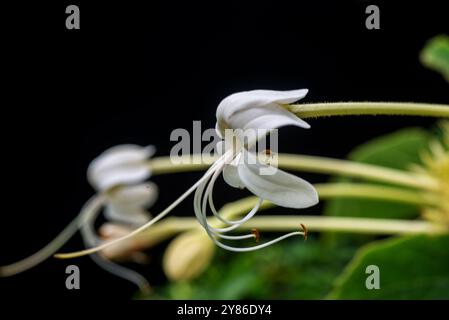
[224, 220]
[260, 246]
[245, 236]
[90, 208]
[90, 239]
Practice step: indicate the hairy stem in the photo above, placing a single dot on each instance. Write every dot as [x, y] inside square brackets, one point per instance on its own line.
[275, 223]
[344, 224]
[315, 110]
[196, 162]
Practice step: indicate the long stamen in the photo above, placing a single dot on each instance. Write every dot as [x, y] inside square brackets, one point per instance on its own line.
[261, 246]
[236, 223]
[90, 239]
[244, 236]
[91, 207]
[200, 206]
[201, 209]
[219, 217]
[304, 229]
[200, 213]
[208, 195]
[203, 196]
[256, 234]
[122, 272]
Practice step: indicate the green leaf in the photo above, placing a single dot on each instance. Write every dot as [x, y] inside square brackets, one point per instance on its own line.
[291, 270]
[435, 55]
[397, 150]
[414, 267]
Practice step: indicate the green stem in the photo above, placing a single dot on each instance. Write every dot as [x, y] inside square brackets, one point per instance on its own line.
[343, 224]
[315, 110]
[341, 190]
[376, 192]
[164, 165]
[356, 170]
[174, 225]
[194, 162]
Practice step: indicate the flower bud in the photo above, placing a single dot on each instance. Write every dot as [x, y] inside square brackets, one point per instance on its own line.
[128, 250]
[188, 255]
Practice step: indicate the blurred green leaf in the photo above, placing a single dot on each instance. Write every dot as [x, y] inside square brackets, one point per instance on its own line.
[410, 268]
[435, 55]
[292, 270]
[397, 150]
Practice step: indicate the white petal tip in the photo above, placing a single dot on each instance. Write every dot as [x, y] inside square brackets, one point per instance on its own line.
[150, 150]
[305, 125]
[310, 201]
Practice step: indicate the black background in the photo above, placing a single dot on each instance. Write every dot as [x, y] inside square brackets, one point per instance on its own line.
[135, 72]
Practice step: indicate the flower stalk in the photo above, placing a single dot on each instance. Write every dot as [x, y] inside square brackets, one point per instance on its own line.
[174, 225]
[316, 110]
[314, 164]
[347, 225]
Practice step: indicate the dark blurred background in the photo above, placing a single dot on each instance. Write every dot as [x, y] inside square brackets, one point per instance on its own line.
[135, 72]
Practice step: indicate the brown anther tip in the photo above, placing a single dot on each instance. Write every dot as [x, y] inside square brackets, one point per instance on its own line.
[304, 229]
[256, 234]
[268, 152]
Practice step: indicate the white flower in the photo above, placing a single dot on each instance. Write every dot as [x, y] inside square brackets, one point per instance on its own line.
[120, 165]
[258, 109]
[119, 173]
[128, 204]
[244, 114]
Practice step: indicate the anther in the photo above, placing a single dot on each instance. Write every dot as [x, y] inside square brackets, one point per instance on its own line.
[304, 229]
[256, 234]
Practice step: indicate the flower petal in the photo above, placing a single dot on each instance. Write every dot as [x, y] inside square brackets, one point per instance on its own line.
[270, 117]
[280, 187]
[241, 101]
[123, 164]
[231, 176]
[126, 214]
[140, 195]
[127, 204]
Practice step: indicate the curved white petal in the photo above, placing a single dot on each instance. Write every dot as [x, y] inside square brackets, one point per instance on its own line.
[269, 117]
[140, 195]
[127, 203]
[220, 148]
[125, 174]
[280, 187]
[126, 214]
[123, 164]
[256, 122]
[218, 130]
[231, 176]
[241, 101]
